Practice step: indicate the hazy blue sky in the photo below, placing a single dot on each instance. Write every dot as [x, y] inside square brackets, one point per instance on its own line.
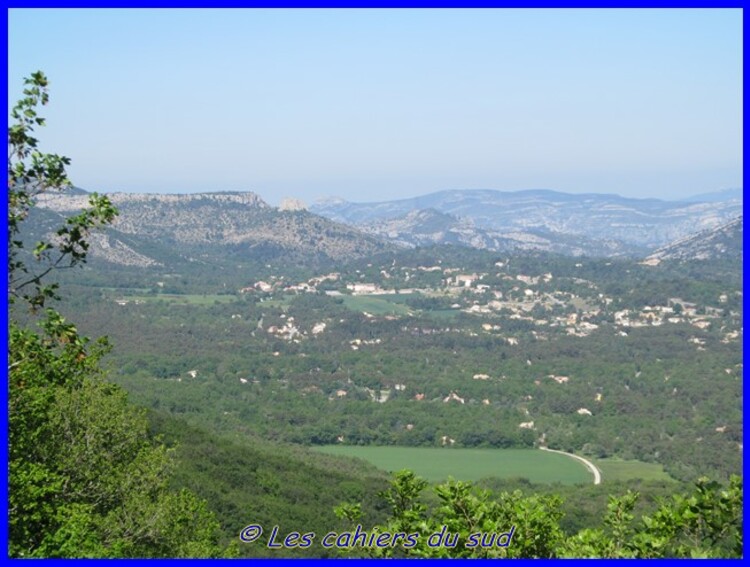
[381, 104]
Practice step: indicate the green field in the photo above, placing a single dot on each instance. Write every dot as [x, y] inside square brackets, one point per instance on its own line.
[123, 290]
[282, 302]
[183, 299]
[443, 313]
[437, 464]
[375, 305]
[397, 297]
[618, 469]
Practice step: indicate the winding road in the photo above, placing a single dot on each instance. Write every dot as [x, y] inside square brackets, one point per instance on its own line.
[589, 465]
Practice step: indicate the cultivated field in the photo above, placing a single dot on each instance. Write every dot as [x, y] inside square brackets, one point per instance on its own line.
[179, 298]
[374, 305]
[618, 469]
[437, 464]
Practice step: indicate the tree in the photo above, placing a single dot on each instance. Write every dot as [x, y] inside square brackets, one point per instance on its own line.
[30, 174]
[464, 516]
[706, 523]
[85, 479]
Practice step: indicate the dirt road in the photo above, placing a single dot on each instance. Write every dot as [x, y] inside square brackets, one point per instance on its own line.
[589, 465]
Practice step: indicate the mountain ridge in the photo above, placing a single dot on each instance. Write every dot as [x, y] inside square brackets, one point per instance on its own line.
[724, 241]
[637, 223]
[199, 226]
[234, 226]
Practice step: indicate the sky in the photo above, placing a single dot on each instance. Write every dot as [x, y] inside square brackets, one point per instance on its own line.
[372, 105]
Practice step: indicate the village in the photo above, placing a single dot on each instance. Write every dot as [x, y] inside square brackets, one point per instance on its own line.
[499, 298]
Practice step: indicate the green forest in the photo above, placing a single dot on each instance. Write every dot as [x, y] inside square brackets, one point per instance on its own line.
[192, 414]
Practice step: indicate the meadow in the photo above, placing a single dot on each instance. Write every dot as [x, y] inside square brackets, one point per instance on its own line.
[374, 305]
[182, 299]
[437, 464]
[620, 469]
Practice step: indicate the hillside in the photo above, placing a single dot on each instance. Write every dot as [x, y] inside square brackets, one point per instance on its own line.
[640, 223]
[722, 243]
[247, 480]
[226, 230]
[169, 230]
[429, 227]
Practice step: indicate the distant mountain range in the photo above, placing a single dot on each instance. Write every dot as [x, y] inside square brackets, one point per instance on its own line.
[428, 227]
[622, 225]
[716, 196]
[223, 228]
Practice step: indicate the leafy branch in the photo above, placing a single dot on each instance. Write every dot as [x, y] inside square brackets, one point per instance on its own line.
[30, 174]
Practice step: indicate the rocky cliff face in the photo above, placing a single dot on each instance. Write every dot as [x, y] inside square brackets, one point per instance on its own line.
[151, 227]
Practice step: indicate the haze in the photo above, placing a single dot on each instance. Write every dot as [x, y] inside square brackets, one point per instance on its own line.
[371, 105]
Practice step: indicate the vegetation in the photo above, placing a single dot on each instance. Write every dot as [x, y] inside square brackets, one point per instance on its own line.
[653, 394]
[247, 480]
[621, 469]
[84, 478]
[437, 464]
[241, 363]
[374, 305]
[468, 522]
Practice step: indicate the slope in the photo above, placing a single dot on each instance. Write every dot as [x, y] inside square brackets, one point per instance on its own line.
[639, 222]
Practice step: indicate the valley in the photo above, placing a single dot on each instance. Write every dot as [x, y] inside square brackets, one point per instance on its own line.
[516, 333]
[451, 360]
[606, 358]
